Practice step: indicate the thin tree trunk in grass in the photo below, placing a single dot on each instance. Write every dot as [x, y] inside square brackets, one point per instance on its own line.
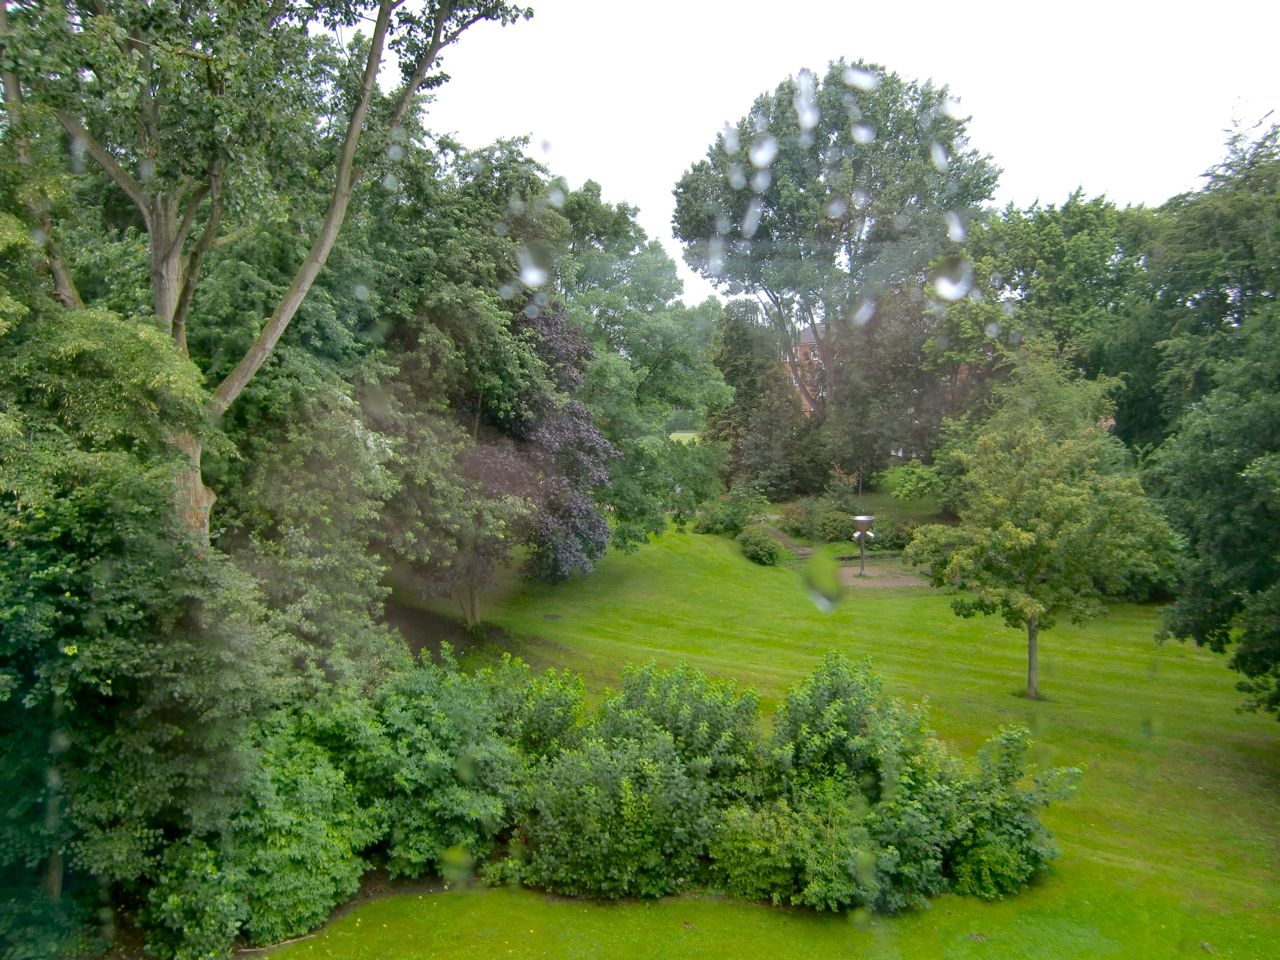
[1033, 667]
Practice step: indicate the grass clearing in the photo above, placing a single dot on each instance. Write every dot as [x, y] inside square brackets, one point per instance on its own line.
[1170, 849]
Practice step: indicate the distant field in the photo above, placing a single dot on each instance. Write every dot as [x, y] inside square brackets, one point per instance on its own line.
[684, 436]
[1171, 849]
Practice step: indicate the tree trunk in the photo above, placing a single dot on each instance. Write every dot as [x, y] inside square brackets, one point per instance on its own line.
[1033, 667]
[166, 260]
[193, 499]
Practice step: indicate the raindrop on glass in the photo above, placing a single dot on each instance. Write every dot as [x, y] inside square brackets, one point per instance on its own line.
[862, 133]
[763, 151]
[737, 179]
[861, 79]
[361, 292]
[531, 274]
[500, 228]
[951, 108]
[399, 135]
[515, 205]
[806, 110]
[955, 226]
[866, 310]
[146, 169]
[395, 152]
[722, 225]
[477, 165]
[39, 237]
[391, 182]
[901, 221]
[731, 142]
[555, 197]
[954, 281]
[992, 330]
[938, 156]
[507, 291]
[715, 256]
[760, 181]
[541, 298]
[751, 222]
[837, 208]
[1007, 308]
[860, 199]
[531, 311]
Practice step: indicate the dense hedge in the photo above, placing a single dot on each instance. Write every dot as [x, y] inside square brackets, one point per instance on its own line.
[851, 802]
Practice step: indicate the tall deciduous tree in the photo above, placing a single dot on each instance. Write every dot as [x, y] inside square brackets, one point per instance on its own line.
[185, 107]
[1052, 521]
[830, 193]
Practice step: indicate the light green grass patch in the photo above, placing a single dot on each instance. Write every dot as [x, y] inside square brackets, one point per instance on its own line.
[1172, 842]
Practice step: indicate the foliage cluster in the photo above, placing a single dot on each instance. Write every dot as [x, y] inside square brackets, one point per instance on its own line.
[759, 545]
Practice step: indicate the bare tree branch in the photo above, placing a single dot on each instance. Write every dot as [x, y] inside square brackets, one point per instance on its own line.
[191, 272]
[257, 354]
[63, 284]
[107, 162]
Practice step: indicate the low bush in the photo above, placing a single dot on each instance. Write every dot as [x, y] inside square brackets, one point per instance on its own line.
[617, 819]
[835, 526]
[712, 723]
[731, 513]
[759, 546]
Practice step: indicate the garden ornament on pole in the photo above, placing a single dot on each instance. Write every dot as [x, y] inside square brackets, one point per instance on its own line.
[862, 535]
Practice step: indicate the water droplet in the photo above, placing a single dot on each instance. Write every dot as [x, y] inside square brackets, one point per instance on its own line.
[942, 341]
[395, 151]
[477, 165]
[901, 221]
[515, 205]
[861, 79]
[760, 181]
[1015, 337]
[862, 134]
[938, 156]
[546, 146]
[992, 330]
[39, 237]
[737, 179]
[500, 228]
[851, 106]
[722, 225]
[391, 182]
[751, 222]
[715, 256]
[866, 310]
[806, 110]
[860, 199]
[760, 122]
[146, 169]
[360, 292]
[508, 291]
[541, 298]
[837, 208]
[400, 135]
[955, 226]
[531, 273]
[805, 140]
[531, 311]
[954, 281]
[555, 197]
[1007, 308]
[951, 108]
[763, 151]
[731, 141]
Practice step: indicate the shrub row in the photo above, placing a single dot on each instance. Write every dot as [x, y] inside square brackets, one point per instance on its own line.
[668, 785]
[821, 519]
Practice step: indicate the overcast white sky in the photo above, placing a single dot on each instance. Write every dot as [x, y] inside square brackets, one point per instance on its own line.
[1123, 98]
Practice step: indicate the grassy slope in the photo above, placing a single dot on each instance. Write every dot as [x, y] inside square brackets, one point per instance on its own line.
[1170, 849]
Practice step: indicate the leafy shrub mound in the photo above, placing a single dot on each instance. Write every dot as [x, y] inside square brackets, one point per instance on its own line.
[850, 803]
[731, 514]
[759, 546]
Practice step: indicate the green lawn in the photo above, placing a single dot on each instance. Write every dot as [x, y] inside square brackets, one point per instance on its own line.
[1170, 849]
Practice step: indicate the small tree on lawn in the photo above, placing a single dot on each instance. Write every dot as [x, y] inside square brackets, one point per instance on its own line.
[1052, 519]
